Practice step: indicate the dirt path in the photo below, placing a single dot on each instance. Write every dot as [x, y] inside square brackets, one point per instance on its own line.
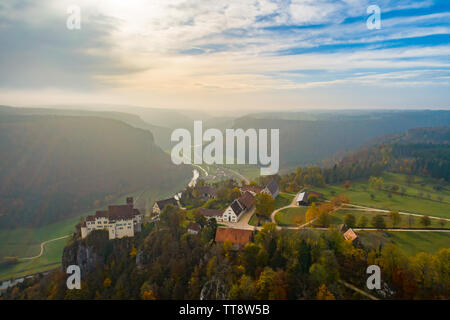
[42, 247]
[291, 205]
[362, 208]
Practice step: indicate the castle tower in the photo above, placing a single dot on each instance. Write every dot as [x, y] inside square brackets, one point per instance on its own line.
[130, 201]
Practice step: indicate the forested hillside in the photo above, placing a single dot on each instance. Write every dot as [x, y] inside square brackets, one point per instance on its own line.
[55, 166]
[397, 154]
[305, 142]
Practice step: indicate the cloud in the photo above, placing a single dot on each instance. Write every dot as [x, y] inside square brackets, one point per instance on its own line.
[153, 49]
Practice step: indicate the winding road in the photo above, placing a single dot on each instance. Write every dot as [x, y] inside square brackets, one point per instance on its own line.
[42, 247]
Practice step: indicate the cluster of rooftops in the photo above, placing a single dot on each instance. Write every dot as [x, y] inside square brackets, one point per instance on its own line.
[234, 211]
[116, 212]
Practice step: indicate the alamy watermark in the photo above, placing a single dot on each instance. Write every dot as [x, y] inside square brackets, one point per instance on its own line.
[374, 19]
[374, 280]
[74, 278]
[74, 20]
[213, 153]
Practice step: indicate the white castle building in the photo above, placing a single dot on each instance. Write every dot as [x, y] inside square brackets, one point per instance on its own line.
[120, 221]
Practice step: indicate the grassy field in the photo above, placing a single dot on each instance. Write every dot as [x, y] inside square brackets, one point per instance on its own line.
[286, 217]
[415, 201]
[410, 243]
[339, 215]
[25, 242]
[282, 200]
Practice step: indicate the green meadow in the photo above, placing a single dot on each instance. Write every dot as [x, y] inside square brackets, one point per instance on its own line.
[406, 221]
[423, 196]
[286, 216]
[25, 242]
[283, 199]
[410, 243]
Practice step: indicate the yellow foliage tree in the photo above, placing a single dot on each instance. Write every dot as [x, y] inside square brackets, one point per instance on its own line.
[324, 294]
[148, 295]
[107, 283]
[312, 213]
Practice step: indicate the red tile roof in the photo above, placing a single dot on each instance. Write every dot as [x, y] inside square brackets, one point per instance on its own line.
[210, 212]
[247, 199]
[235, 236]
[350, 235]
[255, 189]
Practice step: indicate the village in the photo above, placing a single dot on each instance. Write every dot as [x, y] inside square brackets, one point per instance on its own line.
[204, 200]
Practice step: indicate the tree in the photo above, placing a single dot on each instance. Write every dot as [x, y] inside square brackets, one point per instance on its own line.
[378, 222]
[298, 220]
[362, 221]
[264, 204]
[235, 193]
[312, 198]
[425, 221]
[107, 283]
[372, 196]
[350, 220]
[395, 217]
[312, 213]
[376, 183]
[323, 219]
[347, 184]
[442, 223]
[223, 194]
[324, 294]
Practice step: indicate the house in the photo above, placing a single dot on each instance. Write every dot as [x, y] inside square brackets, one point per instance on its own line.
[350, 235]
[238, 237]
[120, 221]
[207, 192]
[253, 189]
[239, 206]
[303, 197]
[211, 213]
[159, 206]
[272, 189]
[194, 228]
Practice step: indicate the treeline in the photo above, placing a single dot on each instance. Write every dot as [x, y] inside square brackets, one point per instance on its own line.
[414, 159]
[165, 262]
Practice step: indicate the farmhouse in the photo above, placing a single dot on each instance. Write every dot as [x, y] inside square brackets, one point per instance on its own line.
[234, 212]
[238, 237]
[303, 197]
[252, 189]
[194, 228]
[207, 192]
[211, 213]
[272, 189]
[120, 221]
[161, 204]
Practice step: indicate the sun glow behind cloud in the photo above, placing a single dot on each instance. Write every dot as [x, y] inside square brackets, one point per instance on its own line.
[227, 54]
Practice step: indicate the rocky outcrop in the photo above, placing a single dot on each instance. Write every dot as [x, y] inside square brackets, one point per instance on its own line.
[87, 253]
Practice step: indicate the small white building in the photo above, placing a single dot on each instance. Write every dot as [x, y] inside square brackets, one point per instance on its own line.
[120, 221]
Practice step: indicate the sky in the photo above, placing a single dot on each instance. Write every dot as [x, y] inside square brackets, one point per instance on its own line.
[226, 56]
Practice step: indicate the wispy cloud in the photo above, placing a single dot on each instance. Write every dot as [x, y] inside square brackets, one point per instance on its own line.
[148, 52]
